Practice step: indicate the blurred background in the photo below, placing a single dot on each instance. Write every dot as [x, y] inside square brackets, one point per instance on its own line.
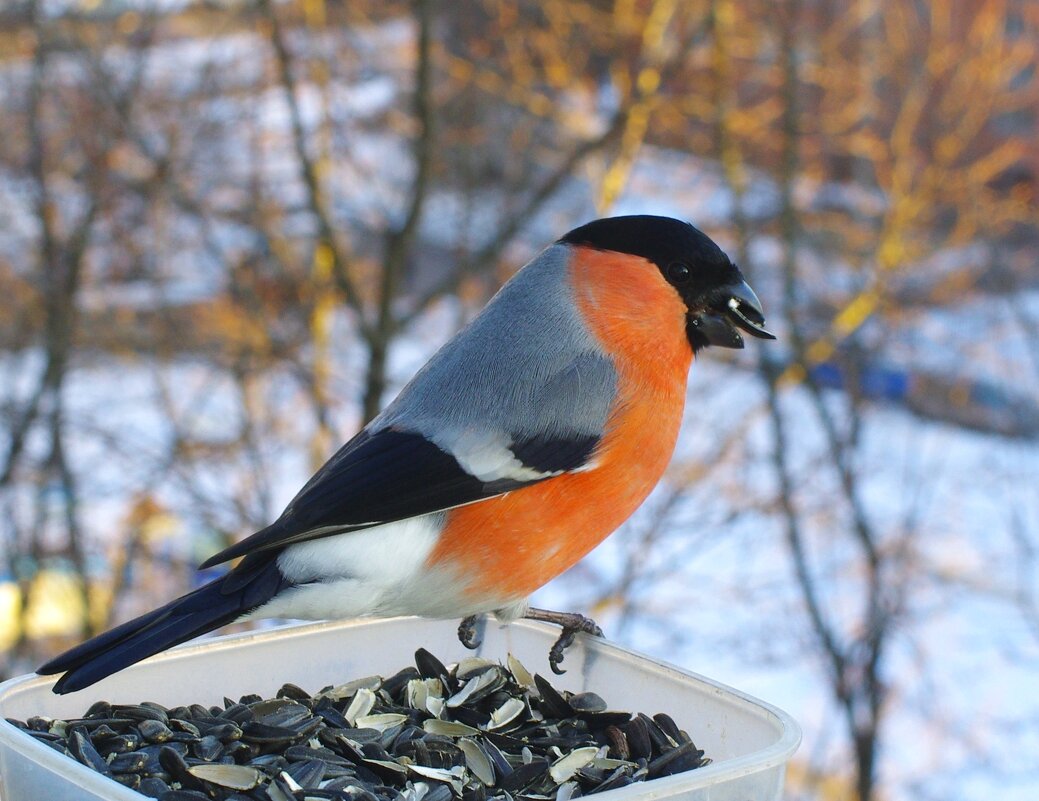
[230, 230]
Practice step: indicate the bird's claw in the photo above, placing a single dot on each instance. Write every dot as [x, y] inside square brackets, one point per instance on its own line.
[468, 634]
[572, 624]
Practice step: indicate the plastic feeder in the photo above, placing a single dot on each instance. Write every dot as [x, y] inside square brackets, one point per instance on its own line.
[748, 740]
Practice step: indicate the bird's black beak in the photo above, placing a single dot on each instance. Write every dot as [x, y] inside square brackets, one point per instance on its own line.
[726, 309]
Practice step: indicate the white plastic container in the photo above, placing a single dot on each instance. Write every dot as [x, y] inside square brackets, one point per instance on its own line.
[748, 741]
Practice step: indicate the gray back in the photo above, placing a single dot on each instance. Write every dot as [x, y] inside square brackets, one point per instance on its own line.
[525, 366]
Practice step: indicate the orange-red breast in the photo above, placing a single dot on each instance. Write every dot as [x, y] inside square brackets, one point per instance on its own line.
[523, 443]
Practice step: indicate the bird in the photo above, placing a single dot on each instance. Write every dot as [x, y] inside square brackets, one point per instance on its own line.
[523, 442]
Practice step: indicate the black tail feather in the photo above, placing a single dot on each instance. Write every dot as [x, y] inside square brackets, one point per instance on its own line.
[189, 616]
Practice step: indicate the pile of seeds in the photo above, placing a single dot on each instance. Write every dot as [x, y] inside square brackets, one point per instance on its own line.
[474, 732]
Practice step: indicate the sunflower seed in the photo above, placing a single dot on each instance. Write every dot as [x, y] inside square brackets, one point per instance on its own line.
[152, 787]
[279, 712]
[524, 776]
[587, 702]
[552, 703]
[132, 762]
[432, 668]
[685, 757]
[640, 745]
[307, 774]
[84, 750]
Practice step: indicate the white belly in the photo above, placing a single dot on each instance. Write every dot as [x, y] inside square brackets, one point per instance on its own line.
[377, 572]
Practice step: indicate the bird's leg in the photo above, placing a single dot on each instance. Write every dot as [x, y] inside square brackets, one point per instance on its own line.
[572, 624]
[468, 634]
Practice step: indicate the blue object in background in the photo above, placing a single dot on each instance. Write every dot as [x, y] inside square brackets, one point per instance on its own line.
[875, 382]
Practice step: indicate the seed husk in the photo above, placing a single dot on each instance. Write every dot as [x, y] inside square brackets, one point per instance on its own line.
[521, 675]
[363, 702]
[381, 722]
[566, 766]
[448, 728]
[237, 777]
[478, 686]
[505, 714]
[350, 688]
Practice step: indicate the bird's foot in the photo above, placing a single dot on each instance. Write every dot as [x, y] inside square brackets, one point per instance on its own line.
[572, 624]
[468, 632]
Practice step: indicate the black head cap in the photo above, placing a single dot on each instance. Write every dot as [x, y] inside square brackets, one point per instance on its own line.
[715, 294]
[663, 241]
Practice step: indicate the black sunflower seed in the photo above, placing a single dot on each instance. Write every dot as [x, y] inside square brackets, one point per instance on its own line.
[439, 793]
[45, 736]
[677, 760]
[432, 668]
[524, 775]
[152, 787]
[295, 693]
[307, 774]
[617, 741]
[660, 739]
[84, 751]
[207, 748]
[141, 712]
[174, 764]
[640, 745]
[669, 727]
[587, 702]
[262, 733]
[182, 795]
[131, 780]
[619, 778]
[396, 684]
[99, 709]
[154, 731]
[132, 762]
[552, 704]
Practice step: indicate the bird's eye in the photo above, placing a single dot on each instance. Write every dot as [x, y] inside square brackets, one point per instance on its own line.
[678, 272]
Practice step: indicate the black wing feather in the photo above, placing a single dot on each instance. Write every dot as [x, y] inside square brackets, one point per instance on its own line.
[392, 475]
[553, 455]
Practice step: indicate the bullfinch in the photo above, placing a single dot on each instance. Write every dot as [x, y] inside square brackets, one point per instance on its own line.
[524, 442]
